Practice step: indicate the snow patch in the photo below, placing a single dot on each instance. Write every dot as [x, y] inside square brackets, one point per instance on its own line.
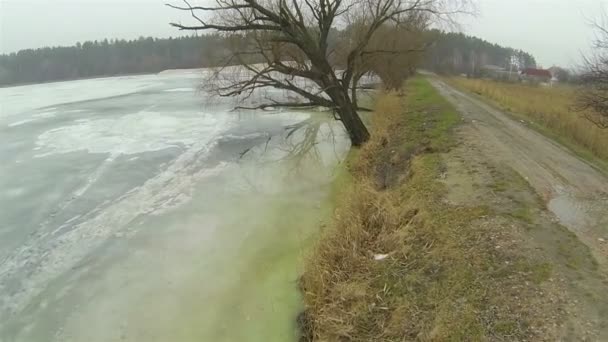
[180, 90]
[245, 136]
[53, 94]
[35, 117]
[131, 134]
[45, 115]
[21, 122]
[14, 192]
[45, 256]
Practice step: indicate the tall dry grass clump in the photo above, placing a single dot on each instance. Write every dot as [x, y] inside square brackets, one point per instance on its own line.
[399, 263]
[550, 107]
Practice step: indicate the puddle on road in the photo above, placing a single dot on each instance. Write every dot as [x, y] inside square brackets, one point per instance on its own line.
[587, 219]
[570, 212]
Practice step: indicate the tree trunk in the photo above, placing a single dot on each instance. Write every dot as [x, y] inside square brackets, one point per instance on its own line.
[353, 95]
[354, 126]
[350, 118]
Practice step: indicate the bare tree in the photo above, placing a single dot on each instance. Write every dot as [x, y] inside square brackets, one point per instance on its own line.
[285, 44]
[394, 68]
[593, 97]
[392, 54]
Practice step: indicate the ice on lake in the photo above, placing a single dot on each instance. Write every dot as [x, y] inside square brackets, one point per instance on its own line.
[142, 209]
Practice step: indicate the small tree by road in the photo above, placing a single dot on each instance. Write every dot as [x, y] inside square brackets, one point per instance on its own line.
[593, 97]
[281, 42]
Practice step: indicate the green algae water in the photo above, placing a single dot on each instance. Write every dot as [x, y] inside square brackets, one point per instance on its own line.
[234, 282]
[181, 230]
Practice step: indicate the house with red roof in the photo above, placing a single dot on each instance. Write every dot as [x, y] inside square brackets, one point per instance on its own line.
[536, 75]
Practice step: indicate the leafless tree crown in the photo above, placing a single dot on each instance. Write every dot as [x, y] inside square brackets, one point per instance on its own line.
[293, 45]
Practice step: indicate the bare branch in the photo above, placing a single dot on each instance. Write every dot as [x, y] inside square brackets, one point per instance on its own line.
[280, 105]
[592, 100]
[293, 45]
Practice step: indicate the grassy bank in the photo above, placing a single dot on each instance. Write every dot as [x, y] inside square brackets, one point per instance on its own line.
[548, 107]
[401, 263]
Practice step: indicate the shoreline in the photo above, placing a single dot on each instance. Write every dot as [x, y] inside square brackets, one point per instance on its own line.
[432, 241]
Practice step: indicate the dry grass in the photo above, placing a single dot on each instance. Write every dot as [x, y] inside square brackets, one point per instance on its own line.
[442, 280]
[550, 107]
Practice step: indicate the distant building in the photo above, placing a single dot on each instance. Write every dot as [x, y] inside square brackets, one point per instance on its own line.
[494, 68]
[536, 75]
[496, 72]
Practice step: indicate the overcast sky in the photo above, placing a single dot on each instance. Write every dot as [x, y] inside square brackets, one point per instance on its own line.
[554, 31]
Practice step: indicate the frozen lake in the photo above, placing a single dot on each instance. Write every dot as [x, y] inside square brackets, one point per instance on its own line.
[140, 209]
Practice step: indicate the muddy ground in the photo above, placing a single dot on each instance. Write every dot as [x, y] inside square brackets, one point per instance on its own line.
[553, 205]
[575, 191]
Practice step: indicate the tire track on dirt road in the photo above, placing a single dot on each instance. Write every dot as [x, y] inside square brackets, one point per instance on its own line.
[574, 191]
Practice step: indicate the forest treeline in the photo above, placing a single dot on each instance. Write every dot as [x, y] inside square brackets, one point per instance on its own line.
[109, 58]
[457, 53]
[447, 53]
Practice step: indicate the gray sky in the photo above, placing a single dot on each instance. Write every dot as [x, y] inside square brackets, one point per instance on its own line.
[554, 31]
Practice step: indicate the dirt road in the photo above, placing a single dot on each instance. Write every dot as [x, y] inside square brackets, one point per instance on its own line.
[574, 191]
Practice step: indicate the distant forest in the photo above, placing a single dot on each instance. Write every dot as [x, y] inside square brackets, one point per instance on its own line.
[457, 53]
[449, 53]
[109, 58]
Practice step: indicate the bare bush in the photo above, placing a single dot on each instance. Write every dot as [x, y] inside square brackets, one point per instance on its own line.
[593, 97]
